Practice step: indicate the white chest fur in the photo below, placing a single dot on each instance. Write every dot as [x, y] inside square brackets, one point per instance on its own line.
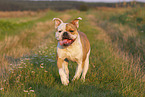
[72, 52]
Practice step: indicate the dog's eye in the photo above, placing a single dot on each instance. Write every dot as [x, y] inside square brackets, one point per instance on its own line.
[60, 31]
[71, 31]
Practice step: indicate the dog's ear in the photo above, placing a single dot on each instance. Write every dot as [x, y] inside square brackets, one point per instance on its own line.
[57, 22]
[76, 21]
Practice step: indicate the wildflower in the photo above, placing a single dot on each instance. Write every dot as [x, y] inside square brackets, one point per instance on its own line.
[19, 64]
[31, 90]
[33, 71]
[45, 71]
[11, 64]
[41, 67]
[1, 89]
[27, 58]
[51, 60]
[25, 91]
[46, 56]
[42, 63]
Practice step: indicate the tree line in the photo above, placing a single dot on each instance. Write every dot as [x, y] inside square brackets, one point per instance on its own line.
[10, 5]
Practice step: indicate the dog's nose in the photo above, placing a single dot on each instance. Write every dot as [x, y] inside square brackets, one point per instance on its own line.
[65, 35]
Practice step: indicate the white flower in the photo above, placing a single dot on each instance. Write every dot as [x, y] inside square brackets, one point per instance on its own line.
[31, 90]
[27, 58]
[33, 71]
[25, 91]
[41, 67]
[1, 88]
[45, 71]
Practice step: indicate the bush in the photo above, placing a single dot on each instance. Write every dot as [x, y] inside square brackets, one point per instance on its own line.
[83, 7]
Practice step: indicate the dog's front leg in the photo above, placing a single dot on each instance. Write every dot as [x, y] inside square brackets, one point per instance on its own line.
[62, 72]
[65, 66]
[78, 71]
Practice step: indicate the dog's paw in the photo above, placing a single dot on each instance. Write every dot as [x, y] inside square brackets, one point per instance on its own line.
[75, 78]
[64, 81]
[63, 76]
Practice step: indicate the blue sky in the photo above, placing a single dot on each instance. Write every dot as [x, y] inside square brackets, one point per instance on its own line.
[97, 0]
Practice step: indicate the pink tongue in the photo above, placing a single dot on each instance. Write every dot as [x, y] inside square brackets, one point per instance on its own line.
[65, 41]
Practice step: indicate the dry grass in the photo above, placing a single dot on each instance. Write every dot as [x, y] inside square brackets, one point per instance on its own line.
[16, 14]
[15, 47]
[117, 51]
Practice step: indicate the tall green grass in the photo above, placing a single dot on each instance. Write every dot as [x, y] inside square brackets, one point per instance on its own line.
[126, 31]
[134, 18]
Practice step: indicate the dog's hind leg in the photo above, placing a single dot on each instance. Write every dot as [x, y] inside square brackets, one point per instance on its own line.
[86, 67]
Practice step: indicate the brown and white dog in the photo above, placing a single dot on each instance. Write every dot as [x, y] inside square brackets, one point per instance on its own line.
[72, 45]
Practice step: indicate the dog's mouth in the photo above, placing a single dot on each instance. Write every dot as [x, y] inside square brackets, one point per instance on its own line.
[66, 42]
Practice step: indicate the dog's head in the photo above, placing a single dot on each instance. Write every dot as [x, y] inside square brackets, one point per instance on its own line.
[66, 33]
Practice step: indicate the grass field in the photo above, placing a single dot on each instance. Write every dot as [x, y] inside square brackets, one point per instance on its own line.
[117, 60]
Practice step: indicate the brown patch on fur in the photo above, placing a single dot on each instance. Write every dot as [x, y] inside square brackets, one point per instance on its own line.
[85, 45]
[70, 27]
[59, 63]
[75, 22]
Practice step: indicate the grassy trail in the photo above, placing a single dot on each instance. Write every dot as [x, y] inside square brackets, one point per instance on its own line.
[109, 74]
[15, 46]
[115, 71]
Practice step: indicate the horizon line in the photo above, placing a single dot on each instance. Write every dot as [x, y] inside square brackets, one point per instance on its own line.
[87, 1]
